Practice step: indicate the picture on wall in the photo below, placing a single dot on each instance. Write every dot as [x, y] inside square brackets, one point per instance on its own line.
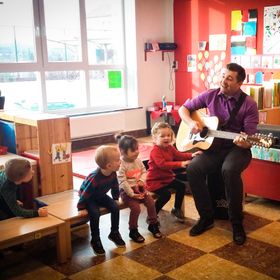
[271, 36]
[244, 32]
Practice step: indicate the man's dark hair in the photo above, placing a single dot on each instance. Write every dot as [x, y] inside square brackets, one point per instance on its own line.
[241, 74]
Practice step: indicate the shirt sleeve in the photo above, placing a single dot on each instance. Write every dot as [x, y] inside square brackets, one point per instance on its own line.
[8, 193]
[162, 163]
[197, 102]
[143, 172]
[251, 119]
[85, 192]
[180, 155]
[115, 190]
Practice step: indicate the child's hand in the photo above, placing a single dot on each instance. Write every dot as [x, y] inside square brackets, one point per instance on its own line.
[196, 153]
[83, 212]
[138, 196]
[118, 202]
[140, 183]
[19, 203]
[43, 212]
[185, 163]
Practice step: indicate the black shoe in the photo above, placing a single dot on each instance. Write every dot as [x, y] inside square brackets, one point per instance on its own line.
[116, 238]
[158, 222]
[97, 246]
[153, 228]
[238, 234]
[136, 236]
[178, 213]
[201, 226]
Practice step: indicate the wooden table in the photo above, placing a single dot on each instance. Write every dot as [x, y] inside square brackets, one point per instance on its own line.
[64, 206]
[18, 230]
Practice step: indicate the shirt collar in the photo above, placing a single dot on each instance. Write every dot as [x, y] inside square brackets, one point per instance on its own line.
[235, 96]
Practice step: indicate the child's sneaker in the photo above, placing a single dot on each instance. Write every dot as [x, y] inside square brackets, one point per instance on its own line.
[178, 213]
[97, 246]
[116, 238]
[153, 228]
[136, 236]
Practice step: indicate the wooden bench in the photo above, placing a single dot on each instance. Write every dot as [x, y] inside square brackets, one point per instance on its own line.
[18, 230]
[63, 206]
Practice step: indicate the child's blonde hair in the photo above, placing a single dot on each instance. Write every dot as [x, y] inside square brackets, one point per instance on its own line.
[103, 155]
[17, 168]
[161, 125]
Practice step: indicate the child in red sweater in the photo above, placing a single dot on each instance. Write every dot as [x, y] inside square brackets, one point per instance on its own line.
[164, 158]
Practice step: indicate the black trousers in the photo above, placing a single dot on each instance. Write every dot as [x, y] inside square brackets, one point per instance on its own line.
[93, 208]
[164, 194]
[231, 161]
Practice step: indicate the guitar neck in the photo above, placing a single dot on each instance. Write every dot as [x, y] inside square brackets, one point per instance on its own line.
[222, 134]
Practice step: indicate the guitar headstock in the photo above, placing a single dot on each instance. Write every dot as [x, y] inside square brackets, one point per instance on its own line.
[261, 140]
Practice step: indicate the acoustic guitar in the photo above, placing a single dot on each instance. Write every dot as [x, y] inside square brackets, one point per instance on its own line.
[185, 140]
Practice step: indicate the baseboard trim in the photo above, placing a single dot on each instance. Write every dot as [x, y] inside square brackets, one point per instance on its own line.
[96, 140]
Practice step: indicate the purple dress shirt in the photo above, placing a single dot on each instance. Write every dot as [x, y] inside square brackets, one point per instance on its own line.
[220, 106]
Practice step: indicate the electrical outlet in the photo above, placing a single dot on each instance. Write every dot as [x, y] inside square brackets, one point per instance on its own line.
[175, 65]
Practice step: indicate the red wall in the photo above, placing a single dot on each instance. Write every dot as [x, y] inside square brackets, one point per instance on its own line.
[194, 20]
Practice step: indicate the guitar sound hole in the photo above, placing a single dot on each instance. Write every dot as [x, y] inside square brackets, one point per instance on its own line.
[204, 132]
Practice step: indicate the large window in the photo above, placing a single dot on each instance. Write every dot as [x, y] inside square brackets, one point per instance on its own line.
[67, 56]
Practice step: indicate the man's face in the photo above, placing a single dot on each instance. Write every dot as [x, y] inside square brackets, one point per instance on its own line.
[229, 84]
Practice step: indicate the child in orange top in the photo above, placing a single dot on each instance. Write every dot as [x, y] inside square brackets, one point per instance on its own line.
[164, 158]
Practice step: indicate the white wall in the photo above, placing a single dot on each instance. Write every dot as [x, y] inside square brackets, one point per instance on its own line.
[154, 22]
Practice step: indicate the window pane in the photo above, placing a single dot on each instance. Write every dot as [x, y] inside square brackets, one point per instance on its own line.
[107, 88]
[65, 90]
[21, 90]
[17, 42]
[63, 30]
[104, 20]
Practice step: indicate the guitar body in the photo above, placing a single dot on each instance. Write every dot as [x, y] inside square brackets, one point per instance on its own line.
[186, 141]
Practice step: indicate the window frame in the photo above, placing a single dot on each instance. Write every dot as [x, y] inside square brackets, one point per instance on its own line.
[41, 65]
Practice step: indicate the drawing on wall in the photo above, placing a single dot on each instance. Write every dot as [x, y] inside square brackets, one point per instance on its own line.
[61, 153]
[276, 61]
[244, 32]
[271, 37]
[191, 62]
[218, 42]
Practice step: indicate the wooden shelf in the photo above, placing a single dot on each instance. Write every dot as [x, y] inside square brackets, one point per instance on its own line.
[270, 116]
[35, 131]
[151, 51]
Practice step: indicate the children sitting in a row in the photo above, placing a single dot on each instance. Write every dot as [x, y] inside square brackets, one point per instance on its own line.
[128, 174]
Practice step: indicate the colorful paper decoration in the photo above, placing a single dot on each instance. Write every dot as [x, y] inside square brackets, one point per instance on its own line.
[271, 38]
[243, 32]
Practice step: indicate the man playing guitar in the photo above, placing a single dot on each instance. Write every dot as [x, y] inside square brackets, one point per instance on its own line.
[236, 114]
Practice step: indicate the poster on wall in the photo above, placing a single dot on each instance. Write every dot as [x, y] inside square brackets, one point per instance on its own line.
[271, 36]
[244, 32]
[218, 42]
[191, 62]
[61, 153]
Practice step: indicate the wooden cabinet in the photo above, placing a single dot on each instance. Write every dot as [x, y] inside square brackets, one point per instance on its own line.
[262, 178]
[39, 131]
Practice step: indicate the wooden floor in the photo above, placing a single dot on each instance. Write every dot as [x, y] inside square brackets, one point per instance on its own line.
[177, 256]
